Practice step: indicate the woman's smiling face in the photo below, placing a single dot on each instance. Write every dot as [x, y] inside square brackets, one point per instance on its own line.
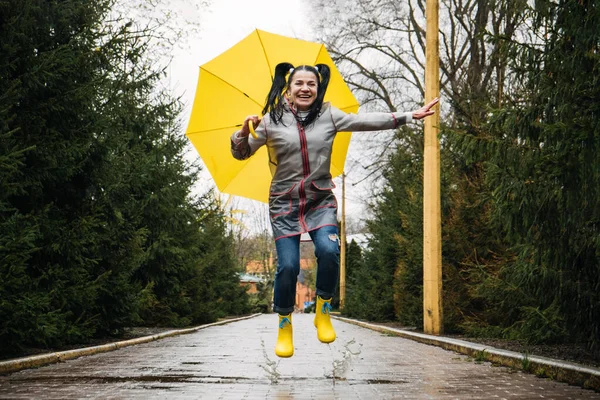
[302, 91]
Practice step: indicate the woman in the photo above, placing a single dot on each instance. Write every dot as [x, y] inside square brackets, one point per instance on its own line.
[298, 130]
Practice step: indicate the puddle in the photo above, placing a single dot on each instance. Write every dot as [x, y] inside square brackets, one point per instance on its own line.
[141, 379]
[161, 387]
[383, 382]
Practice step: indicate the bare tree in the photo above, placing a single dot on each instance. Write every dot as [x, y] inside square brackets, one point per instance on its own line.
[251, 233]
[169, 22]
[380, 47]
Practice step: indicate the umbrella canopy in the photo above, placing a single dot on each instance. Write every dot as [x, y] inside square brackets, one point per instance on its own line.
[234, 85]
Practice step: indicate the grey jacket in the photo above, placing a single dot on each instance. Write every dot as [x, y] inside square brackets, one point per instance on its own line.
[301, 197]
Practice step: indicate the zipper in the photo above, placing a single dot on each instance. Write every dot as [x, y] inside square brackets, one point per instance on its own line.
[306, 172]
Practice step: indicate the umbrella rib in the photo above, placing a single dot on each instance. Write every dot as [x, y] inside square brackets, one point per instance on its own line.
[215, 129]
[229, 84]
[265, 53]
[320, 51]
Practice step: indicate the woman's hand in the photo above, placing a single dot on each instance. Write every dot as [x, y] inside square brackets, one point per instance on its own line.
[245, 128]
[426, 110]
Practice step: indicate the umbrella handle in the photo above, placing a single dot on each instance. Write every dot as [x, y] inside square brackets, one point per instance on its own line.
[251, 127]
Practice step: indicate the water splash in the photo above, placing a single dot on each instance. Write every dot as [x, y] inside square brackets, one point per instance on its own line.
[270, 367]
[341, 366]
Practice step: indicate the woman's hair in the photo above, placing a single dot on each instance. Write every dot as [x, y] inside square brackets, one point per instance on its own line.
[275, 102]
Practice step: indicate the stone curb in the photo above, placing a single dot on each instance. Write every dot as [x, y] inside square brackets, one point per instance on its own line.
[19, 364]
[563, 371]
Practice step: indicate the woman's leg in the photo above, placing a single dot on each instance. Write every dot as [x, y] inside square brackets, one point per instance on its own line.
[284, 298]
[288, 268]
[327, 251]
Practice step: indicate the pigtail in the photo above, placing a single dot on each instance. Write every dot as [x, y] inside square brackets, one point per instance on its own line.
[273, 104]
[325, 74]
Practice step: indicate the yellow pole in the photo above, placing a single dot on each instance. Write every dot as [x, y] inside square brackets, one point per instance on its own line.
[432, 244]
[343, 246]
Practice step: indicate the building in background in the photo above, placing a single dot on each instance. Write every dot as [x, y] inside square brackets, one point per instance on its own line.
[251, 282]
[305, 288]
[258, 271]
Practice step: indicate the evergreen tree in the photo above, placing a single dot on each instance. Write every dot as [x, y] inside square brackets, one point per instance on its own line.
[216, 289]
[387, 283]
[544, 171]
[48, 226]
[98, 226]
[356, 274]
[394, 280]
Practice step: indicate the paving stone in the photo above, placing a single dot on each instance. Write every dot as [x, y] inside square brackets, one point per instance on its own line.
[236, 361]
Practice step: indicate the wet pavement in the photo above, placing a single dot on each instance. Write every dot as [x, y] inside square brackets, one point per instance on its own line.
[236, 361]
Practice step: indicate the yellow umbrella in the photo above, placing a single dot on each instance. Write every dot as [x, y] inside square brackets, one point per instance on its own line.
[234, 85]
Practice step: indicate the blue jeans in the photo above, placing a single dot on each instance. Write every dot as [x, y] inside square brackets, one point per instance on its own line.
[327, 251]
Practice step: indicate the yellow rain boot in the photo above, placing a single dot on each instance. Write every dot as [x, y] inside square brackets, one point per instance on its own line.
[325, 331]
[285, 341]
